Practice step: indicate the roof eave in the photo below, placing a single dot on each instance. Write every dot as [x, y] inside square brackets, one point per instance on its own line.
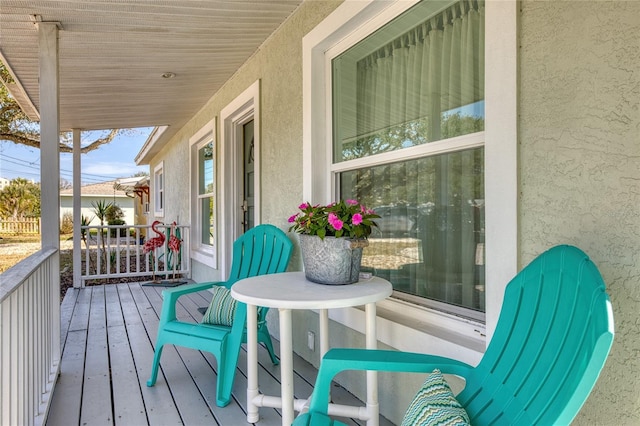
[158, 138]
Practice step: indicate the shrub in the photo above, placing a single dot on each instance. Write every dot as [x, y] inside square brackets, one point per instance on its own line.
[66, 225]
[123, 231]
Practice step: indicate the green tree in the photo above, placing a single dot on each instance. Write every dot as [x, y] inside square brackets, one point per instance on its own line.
[20, 199]
[113, 213]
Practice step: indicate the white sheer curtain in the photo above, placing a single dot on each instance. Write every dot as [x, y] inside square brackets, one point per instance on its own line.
[434, 68]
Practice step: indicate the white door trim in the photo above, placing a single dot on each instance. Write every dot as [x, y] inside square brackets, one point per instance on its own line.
[242, 109]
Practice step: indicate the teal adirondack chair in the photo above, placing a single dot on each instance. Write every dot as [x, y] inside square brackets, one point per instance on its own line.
[262, 250]
[552, 339]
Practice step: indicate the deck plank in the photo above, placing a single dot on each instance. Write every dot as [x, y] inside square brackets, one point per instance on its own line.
[96, 391]
[80, 317]
[127, 396]
[67, 395]
[66, 311]
[159, 403]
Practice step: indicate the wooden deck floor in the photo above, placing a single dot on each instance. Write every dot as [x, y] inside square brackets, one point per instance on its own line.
[108, 334]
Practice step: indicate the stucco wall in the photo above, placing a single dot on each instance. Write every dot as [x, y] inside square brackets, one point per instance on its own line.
[579, 158]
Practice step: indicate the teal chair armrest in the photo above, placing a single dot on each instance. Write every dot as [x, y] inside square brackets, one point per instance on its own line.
[170, 297]
[339, 359]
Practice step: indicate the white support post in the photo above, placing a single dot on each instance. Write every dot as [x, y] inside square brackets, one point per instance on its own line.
[50, 188]
[49, 134]
[77, 210]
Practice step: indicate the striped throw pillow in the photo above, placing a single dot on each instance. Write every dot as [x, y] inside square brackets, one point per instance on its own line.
[435, 405]
[222, 308]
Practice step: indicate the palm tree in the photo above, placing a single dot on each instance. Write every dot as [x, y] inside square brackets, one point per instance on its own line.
[101, 209]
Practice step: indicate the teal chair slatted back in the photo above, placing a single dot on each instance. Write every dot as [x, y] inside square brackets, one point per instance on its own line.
[262, 250]
[553, 336]
[259, 251]
[552, 339]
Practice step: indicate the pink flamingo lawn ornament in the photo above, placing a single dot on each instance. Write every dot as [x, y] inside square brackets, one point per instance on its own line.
[153, 243]
[174, 245]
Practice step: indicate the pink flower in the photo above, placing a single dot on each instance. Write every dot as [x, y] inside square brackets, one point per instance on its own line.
[351, 202]
[293, 218]
[337, 224]
[303, 206]
[357, 219]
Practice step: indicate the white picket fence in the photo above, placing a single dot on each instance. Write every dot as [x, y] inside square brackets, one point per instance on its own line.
[29, 225]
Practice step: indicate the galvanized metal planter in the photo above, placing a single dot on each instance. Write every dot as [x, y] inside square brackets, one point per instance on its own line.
[331, 261]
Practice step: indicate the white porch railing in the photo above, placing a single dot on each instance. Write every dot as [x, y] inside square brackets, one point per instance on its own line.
[29, 338]
[114, 251]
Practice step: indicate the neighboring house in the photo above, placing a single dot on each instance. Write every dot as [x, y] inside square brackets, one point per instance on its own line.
[138, 189]
[485, 141]
[4, 182]
[94, 193]
[553, 161]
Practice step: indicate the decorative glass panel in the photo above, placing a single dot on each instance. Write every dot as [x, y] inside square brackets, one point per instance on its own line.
[206, 193]
[205, 169]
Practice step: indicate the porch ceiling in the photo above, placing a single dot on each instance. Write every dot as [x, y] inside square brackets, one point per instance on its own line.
[113, 54]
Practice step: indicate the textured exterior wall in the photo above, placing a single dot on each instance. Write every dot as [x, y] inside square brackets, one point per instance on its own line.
[579, 161]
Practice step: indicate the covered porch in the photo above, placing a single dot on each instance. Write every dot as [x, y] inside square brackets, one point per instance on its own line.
[107, 337]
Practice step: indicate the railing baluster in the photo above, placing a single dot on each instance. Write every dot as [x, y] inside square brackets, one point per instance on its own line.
[145, 264]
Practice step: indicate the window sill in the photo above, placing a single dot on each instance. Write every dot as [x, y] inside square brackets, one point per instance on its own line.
[408, 327]
[205, 256]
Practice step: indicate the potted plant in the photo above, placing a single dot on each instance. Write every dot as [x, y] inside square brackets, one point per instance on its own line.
[332, 238]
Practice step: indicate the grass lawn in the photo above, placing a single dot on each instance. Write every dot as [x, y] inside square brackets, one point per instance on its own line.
[14, 248]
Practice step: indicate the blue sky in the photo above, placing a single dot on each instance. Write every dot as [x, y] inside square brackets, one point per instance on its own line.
[109, 162]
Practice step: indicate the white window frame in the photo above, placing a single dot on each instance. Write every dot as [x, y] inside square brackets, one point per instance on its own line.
[205, 254]
[401, 321]
[159, 195]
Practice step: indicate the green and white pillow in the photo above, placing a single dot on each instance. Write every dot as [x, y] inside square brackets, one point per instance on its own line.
[222, 308]
[435, 405]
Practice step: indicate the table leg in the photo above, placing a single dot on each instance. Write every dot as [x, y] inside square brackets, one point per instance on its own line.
[286, 366]
[372, 376]
[252, 363]
[324, 331]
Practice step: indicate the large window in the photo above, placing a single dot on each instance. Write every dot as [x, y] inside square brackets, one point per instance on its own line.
[203, 190]
[408, 141]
